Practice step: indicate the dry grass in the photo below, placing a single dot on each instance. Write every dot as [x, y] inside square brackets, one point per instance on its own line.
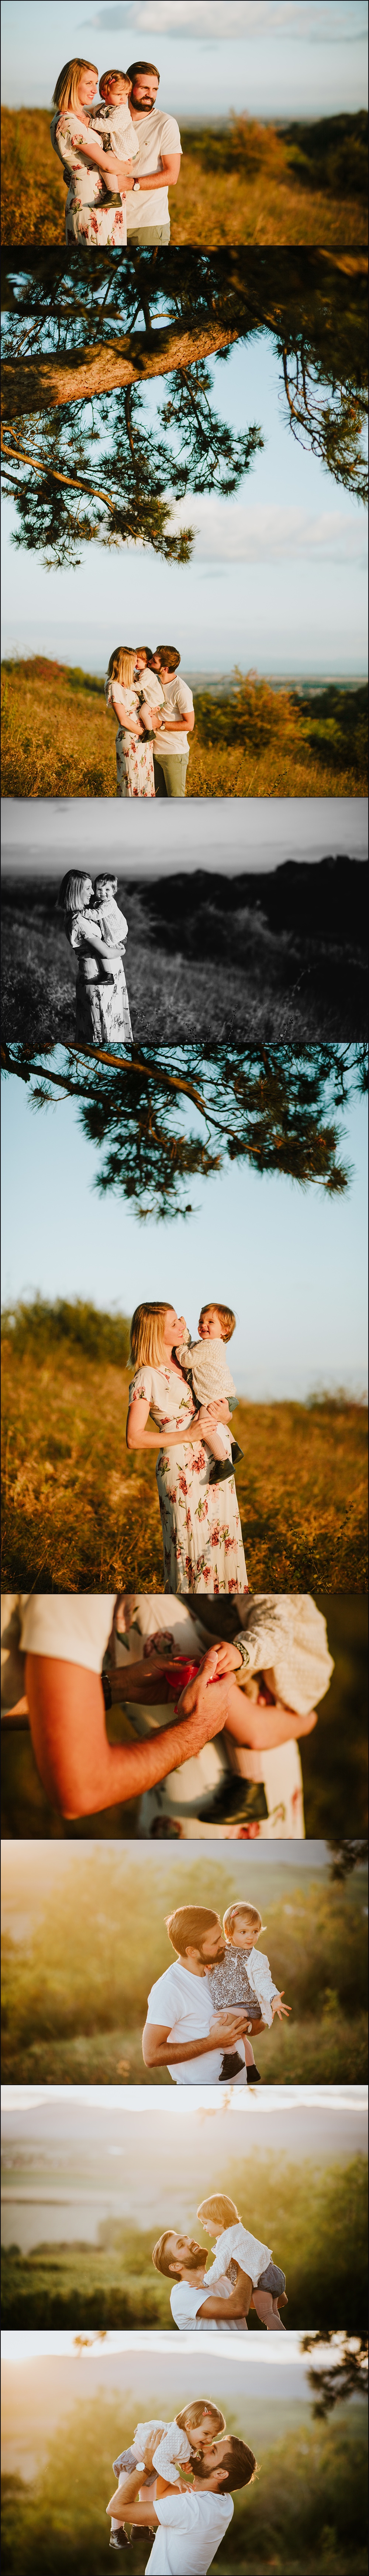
[57, 737]
[72, 1520]
[240, 186]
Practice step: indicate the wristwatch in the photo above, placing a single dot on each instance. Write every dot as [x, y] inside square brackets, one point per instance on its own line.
[135, 185]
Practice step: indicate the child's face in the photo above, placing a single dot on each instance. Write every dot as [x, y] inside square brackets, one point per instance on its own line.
[210, 1326]
[243, 1935]
[203, 2433]
[114, 89]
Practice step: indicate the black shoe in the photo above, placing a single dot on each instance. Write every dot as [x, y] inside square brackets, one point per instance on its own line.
[219, 1473]
[119, 2539]
[252, 2075]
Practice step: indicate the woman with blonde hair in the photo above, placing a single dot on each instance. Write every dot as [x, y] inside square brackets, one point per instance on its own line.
[137, 721]
[202, 1538]
[102, 1006]
[96, 180]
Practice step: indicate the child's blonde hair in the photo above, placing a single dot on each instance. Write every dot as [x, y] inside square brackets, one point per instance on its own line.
[196, 2411]
[221, 2211]
[66, 92]
[114, 75]
[147, 1335]
[225, 1314]
[122, 664]
[249, 1913]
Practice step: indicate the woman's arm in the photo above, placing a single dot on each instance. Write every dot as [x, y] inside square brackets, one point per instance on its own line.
[81, 1772]
[138, 1434]
[92, 151]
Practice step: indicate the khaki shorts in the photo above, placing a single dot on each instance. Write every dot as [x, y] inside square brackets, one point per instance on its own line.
[161, 233]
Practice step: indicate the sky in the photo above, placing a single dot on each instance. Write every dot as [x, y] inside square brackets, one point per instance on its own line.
[30, 1873]
[83, 2149]
[253, 833]
[261, 57]
[277, 577]
[44, 2377]
[295, 1267]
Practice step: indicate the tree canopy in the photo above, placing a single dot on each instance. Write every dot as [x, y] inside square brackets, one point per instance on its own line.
[273, 1108]
[74, 341]
[347, 2376]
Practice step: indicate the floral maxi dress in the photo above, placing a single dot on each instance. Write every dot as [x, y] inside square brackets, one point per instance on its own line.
[89, 215]
[201, 1528]
[135, 766]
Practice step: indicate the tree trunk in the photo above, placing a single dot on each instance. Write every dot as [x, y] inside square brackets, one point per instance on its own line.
[42, 384]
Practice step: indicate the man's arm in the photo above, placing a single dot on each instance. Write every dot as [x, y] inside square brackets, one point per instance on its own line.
[159, 2050]
[237, 2306]
[80, 1770]
[164, 178]
[122, 2506]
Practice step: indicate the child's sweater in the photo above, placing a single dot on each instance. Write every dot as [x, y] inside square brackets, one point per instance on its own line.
[243, 1977]
[172, 2452]
[236, 2246]
[206, 1364]
[115, 129]
[111, 922]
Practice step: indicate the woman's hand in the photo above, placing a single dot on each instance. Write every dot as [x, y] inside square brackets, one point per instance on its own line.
[280, 2009]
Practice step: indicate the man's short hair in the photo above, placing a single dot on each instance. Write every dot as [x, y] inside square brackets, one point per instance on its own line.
[186, 1929]
[160, 2253]
[167, 655]
[239, 2461]
[133, 68]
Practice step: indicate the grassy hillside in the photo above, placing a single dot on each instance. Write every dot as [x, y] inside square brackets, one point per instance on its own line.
[57, 737]
[248, 183]
[305, 2511]
[318, 2231]
[282, 956]
[82, 1511]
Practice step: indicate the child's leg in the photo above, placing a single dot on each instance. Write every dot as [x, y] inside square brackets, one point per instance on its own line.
[263, 2302]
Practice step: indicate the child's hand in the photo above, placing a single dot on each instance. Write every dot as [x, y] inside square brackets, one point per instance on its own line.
[229, 1660]
[280, 2009]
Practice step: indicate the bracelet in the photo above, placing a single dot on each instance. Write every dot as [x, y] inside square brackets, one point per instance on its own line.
[242, 1650]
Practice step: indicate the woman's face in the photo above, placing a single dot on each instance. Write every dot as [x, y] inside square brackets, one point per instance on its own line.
[87, 86]
[87, 890]
[171, 1324]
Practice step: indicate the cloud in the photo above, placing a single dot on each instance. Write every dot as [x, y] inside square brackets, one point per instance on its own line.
[221, 21]
[233, 532]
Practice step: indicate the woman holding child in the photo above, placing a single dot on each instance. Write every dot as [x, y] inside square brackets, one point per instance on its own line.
[134, 700]
[97, 147]
[97, 931]
[202, 1538]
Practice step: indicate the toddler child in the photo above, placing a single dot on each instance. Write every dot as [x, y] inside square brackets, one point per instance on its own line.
[112, 121]
[110, 921]
[167, 2451]
[205, 1365]
[233, 2246]
[243, 1976]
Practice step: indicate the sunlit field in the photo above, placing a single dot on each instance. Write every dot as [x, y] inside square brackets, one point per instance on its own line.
[250, 183]
[305, 2510]
[74, 1991]
[71, 1520]
[316, 2222]
[259, 741]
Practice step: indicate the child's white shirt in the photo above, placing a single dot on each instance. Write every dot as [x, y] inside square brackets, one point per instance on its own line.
[211, 1377]
[261, 1980]
[235, 2245]
[173, 2450]
[122, 134]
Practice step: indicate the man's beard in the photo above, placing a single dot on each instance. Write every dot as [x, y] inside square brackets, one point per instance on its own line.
[194, 2260]
[144, 105]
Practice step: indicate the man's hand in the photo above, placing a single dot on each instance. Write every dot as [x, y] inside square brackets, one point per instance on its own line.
[280, 2009]
[227, 2027]
[194, 1701]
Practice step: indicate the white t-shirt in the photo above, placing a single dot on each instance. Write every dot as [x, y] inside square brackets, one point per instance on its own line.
[182, 2004]
[186, 2304]
[179, 701]
[73, 1626]
[157, 133]
[191, 2529]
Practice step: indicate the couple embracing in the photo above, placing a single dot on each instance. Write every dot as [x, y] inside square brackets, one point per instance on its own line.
[154, 711]
[119, 151]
